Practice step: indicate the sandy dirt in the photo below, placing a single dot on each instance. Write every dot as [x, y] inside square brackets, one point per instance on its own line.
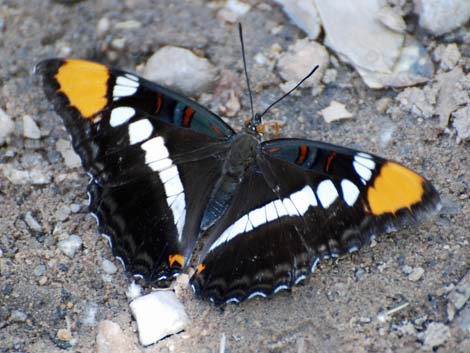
[339, 309]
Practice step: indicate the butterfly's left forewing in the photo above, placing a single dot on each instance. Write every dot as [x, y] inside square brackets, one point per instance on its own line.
[153, 156]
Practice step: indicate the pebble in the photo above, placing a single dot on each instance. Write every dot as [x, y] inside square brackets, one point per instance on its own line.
[108, 267]
[89, 314]
[7, 126]
[382, 104]
[435, 335]
[448, 56]
[461, 123]
[407, 269]
[111, 339]
[303, 14]
[70, 246]
[64, 335]
[71, 159]
[359, 274]
[414, 100]
[133, 291]
[434, 15]
[452, 94]
[39, 270]
[32, 223]
[22, 177]
[233, 11]
[75, 208]
[43, 280]
[458, 296]
[128, 25]
[391, 19]
[416, 274]
[335, 111]
[102, 27]
[299, 60]
[62, 213]
[180, 69]
[30, 129]
[18, 316]
[158, 314]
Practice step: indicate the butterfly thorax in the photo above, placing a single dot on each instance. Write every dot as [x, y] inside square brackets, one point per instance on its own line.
[241, 155]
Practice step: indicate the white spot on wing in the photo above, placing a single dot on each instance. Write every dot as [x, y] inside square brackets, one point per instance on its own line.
[303, 199]
[350, 192]
[173, 186]
[365, 161]
[271, 213]
[140, 131]
[157, 158]
[364, 172]
[155, 150]
[123, 91]
[121, 115]
[326, 193]
[281, 210]
[168, 174]
[291, 210]
[126, 81]
[258, 217]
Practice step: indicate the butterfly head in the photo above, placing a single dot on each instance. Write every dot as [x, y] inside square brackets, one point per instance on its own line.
[255, 126]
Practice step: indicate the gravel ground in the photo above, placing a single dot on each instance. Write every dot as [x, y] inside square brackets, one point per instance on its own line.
[52, 301]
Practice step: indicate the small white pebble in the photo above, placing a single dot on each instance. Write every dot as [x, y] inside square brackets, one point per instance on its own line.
[70, 246]
[158, 314]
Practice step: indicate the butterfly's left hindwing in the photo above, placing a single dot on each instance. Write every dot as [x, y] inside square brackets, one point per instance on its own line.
[153, 156]
[319, 201]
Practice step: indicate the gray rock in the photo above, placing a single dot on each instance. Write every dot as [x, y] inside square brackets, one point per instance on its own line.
[32, 223]
[299, 60]
[71, 159]
[158, 314]
[111, 339]
[70, 246]
[442, 16]
[334, 112]
[40, 270]
[108, 267]
[18, 316]
[30, 129]
[452, 94]
[447, 55]
[304, 14]
[88, 317]
[233, 11]
[416, 274]
[458, 296]
[382, 56]
[181, 70]
[435, 335]
[134, 290]
[7, 126]
[22, 177]
[461, 123]
[62, 213]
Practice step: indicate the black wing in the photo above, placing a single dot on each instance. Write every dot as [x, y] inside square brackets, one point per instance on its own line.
[308, 200]
[153, 156]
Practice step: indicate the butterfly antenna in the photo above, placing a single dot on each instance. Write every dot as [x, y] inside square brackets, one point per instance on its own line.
[259, 116]
[246, 72]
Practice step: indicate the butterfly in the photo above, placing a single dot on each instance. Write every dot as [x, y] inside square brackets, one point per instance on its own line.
[167, 174]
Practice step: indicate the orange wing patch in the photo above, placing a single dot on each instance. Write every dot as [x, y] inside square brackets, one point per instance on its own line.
[178, 258]
[396, 187]
[200, 268]
[85, 84]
